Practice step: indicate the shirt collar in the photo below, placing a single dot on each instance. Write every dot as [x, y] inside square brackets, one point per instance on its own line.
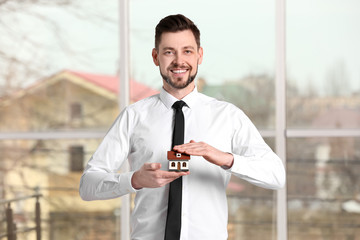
[169, 99]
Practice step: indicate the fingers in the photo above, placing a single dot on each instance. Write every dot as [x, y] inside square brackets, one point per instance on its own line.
[172, 175]
[166, 177]
[160, 173]
[193, 148]
[208, 152]
[150, 176]
[153, 170]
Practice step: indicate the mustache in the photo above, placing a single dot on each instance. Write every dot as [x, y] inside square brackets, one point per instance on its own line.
[181, 66]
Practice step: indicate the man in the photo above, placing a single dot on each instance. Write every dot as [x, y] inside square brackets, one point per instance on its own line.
[219, 137]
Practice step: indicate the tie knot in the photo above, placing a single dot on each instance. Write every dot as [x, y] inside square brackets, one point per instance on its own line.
[178, 105]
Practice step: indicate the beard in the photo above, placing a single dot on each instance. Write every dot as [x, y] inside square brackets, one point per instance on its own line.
[178, 84]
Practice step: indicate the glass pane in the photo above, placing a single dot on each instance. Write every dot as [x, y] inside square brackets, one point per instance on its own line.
[323, 188]
[251, 209]
[323, 64]
[58, 65]
[238, 44]
[58, 72]
[45, 167]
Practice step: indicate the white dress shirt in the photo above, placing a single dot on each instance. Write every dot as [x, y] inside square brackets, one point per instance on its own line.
[143, 133]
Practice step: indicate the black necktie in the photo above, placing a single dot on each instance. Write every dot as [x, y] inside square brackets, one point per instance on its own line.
[173, 221]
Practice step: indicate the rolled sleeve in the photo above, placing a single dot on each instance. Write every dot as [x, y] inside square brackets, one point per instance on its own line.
[264, 172]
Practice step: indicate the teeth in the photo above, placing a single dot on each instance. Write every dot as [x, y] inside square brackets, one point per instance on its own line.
[178, 71]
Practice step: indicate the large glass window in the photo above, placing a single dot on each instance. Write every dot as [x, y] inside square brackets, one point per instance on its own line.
[58, 96]
[323, 98]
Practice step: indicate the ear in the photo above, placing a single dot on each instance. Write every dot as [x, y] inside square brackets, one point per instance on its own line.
[155, 57]
[200, 53]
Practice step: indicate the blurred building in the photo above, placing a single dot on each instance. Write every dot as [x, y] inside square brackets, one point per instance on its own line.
[68, 101]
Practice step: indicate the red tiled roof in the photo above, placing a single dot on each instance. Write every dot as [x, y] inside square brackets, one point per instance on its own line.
[138, 90]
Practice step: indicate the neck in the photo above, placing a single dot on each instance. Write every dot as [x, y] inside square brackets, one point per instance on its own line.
[179, 93]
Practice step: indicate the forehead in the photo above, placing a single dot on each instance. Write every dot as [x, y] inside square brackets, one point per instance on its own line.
[177, 39]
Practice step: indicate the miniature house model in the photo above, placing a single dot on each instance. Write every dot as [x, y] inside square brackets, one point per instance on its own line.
[178, 161]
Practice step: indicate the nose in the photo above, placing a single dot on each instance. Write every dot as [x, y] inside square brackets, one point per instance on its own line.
[178, 60]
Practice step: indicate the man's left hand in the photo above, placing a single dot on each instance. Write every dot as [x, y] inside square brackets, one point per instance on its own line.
[208, 152]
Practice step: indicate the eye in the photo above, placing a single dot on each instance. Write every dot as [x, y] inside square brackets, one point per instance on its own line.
[168, 52]
[188, 51]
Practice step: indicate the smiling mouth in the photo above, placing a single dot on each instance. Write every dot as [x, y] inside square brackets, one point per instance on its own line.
[179, 71]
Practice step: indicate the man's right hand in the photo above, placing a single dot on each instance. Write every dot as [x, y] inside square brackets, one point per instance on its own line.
[150, 176]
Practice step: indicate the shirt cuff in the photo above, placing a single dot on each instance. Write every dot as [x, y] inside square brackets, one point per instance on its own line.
[238, 160]
[127, 182]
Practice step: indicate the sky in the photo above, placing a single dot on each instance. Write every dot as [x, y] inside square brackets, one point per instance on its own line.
[238, 37]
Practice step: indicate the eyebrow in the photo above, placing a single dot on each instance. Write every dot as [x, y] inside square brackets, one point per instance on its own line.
[170, 48]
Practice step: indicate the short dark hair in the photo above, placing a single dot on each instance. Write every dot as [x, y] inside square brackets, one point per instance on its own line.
[175, 23]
